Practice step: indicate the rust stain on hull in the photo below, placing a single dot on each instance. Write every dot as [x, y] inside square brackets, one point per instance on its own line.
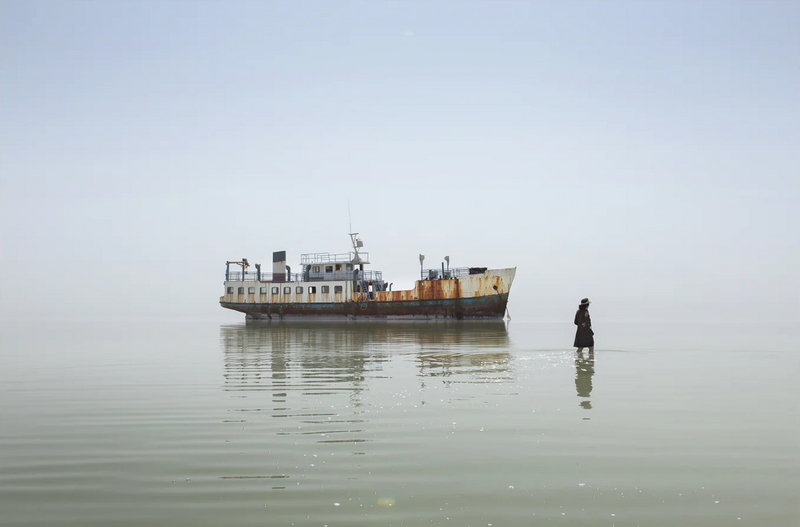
[485, 307]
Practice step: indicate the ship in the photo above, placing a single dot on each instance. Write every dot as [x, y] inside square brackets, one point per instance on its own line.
[338, 286]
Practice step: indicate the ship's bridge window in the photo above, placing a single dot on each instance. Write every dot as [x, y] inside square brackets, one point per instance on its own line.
[251, 290]
[338, 267]
[316, 268]
[263, 290]
[326, 289]
[230, 290]
[349, 267]
[240, 290]
[275, 290]
[328, 269]
[312, 289]
[337, 289]
[299, 290]
[287, 290]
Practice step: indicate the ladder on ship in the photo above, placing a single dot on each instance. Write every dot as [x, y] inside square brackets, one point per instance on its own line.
[364, 296]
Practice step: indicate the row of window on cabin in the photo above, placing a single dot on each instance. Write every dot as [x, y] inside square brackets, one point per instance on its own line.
[288, 290]
[329, 268]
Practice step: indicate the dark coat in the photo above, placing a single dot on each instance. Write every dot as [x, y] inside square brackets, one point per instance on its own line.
[584, 336]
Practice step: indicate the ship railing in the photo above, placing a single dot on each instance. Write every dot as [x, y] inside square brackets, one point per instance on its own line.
[345, 275]
[238, 276]
[324, 258]
[453, 272]
[369, 276]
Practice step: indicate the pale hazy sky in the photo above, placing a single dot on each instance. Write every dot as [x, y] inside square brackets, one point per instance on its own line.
[645, 154]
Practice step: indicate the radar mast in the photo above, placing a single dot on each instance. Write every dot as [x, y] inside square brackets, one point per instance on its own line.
[357, 244]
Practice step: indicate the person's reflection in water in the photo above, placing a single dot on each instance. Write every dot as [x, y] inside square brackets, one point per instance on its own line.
[584, 370]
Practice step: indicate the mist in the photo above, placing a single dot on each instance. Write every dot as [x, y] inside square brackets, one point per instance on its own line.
[641, 154]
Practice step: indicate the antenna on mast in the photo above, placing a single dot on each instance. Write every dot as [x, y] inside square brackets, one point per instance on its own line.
[353, 238]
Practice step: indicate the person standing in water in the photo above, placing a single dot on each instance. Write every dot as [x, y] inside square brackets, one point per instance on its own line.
[584, 336]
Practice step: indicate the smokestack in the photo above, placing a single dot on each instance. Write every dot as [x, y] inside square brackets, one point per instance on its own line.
[279, 266]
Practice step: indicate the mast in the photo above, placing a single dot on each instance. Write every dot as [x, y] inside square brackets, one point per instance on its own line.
[357, 243]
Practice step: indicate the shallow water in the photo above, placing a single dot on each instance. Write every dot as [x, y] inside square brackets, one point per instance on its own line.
[463, 424]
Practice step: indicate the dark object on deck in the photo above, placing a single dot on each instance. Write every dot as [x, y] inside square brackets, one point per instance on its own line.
[477, 270]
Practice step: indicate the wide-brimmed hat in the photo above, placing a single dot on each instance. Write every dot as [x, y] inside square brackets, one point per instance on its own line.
[585, 302]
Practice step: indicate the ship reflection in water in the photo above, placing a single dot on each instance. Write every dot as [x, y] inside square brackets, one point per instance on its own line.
[326, 381]
[584, 370]
[342, 356]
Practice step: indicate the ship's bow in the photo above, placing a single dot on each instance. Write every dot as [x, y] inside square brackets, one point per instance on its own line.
[485, 295]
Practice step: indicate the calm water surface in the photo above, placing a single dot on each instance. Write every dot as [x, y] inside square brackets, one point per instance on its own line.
[394, 424]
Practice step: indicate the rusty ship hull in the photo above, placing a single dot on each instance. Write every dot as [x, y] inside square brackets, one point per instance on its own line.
[481, 295]
[456, 308]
